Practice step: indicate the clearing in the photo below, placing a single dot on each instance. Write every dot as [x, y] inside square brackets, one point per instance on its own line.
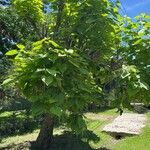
[64, 140]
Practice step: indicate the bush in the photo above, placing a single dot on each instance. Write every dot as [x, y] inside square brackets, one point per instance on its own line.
[17, 123]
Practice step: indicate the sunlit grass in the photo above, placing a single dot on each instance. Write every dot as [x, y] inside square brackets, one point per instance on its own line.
[7, 114]
[141, 142]
[93, 125]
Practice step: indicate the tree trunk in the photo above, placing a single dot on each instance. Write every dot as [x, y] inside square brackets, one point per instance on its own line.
[60, 6]
[46, 133]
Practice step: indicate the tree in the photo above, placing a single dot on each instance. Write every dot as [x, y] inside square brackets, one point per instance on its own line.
[135, 51]
[87, 56]
[17, 27]
[62, 80]
[57, 81]
[132, 77]
[13, 30]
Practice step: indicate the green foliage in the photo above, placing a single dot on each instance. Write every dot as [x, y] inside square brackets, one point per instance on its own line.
[14, 28]
[98, 49]
[56, 80]
[127, 77]
[11, 53]
[30, 9]
[16, 123]
[59, 81]
[32, 14]
[89, 26]
[135, 51]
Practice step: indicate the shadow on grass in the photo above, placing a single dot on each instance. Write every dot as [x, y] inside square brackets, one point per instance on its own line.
[69, 141]
[66, 141]
[15, 123]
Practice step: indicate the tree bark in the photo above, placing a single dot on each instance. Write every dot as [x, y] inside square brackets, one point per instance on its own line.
[46, 133]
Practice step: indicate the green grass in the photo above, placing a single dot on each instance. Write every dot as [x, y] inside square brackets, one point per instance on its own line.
[97, 125]
[17, 139]
[93, 125]
[8, 114]
[141, 142]
[95, 122]
[5, 114]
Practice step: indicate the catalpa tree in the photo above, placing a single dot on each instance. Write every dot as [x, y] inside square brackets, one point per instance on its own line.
[58, 83]
[60, 80]
[70, 68]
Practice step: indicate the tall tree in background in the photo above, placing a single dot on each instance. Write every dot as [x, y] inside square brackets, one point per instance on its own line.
[130, 79]
[135, 52]
[14, 28]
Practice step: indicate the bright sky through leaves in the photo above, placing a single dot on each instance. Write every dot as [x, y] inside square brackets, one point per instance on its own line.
[134, 7]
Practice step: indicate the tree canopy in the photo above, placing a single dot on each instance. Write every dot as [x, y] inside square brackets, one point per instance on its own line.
[74, 54]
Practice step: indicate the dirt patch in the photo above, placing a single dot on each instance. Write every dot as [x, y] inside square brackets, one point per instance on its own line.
[20, 146]
[93, 116]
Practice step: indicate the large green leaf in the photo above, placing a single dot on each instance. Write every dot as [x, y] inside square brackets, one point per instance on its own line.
[144, 85]
[47, 80]
[7, 81]
[54, 44]
[11, 53]
[20, 46]
[137, 42]
[52, 72]
[56, 111]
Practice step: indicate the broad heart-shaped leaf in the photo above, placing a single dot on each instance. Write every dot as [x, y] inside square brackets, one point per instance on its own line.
[7, 81]
[137, 42]
[54, 44]
[132, 89]
[52, 72]
[144, 85]
[38, 108]
[11, 53]
[20, 46]
[47, 80]
[62, 68]
[56, 111]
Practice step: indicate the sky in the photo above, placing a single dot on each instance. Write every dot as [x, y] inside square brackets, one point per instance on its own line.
[134, 7]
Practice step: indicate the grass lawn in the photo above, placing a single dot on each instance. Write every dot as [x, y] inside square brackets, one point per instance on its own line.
[95, 123]
[7, 114]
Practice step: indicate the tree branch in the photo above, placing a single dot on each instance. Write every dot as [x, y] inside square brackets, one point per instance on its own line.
[59, 18]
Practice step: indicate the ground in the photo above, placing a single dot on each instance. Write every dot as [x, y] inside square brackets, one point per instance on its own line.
[64, 140]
